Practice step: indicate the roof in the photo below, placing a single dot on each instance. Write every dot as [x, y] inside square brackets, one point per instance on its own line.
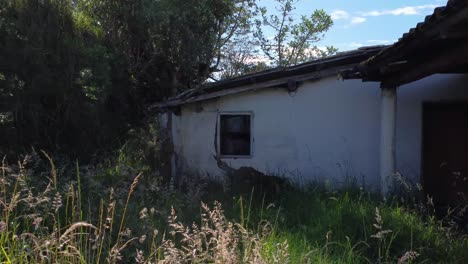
[436, 45]
[281, 76]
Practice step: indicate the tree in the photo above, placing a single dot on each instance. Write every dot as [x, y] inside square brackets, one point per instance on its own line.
[77, 74]
[80, 73]
[239, 57]
[39, 59]
[56, 72]
[276, 41]
[292, 43]
[169, 45]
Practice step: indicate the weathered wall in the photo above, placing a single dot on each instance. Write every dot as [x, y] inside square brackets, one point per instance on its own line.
[437, 88]
[328, 129]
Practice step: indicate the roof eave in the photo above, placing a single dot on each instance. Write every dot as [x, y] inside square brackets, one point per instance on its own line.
[271, 78]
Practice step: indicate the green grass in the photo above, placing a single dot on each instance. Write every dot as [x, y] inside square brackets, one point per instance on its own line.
[340, 227]
[78, 219]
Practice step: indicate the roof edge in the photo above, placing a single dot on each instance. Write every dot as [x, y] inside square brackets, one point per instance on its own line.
[274, 77]
[276, 83]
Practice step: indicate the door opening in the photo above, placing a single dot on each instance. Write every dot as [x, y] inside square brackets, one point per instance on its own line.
[445, 153]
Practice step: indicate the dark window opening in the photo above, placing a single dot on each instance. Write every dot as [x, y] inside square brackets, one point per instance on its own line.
[235, 135]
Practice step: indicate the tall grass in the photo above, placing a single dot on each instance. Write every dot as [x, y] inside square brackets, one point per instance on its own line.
[64, 216]
[38, 227]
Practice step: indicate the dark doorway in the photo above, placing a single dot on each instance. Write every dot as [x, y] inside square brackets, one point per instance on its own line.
[445, 153]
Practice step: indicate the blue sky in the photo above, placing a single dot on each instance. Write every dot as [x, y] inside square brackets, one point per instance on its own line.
[365, 22]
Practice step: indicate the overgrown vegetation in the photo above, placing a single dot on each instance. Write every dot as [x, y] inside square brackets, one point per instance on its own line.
[76, 75]
[70, 213]
[76, 79]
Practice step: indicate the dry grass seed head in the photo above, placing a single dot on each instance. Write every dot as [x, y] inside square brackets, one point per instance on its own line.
[408, 257]
[139, 258]
[57, 202]
[75, 226]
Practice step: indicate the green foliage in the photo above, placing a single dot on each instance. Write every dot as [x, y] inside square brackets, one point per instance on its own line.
[292, 41]
[153, 37]
[342, 227]
[240, 56]
[54, 214]
[59, 85]
[75, 75]
[79, 73]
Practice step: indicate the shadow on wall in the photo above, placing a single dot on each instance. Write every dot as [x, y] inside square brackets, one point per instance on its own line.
[242, 180]
[246, 179]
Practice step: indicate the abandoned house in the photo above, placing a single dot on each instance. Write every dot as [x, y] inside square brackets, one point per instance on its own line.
[364, 115]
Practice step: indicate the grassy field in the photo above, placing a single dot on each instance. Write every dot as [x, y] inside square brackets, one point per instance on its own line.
[112, 214]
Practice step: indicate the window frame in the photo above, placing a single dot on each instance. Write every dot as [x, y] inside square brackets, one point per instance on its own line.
[218, 139]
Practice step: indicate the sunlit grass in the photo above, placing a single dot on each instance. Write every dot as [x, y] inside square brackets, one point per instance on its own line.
[54, 218]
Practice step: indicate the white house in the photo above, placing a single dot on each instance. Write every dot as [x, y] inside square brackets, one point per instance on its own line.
[320, 121]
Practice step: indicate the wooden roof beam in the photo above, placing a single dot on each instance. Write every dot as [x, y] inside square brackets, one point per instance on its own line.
[419, 69]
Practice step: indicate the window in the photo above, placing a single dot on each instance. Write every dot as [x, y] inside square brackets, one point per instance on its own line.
[235, 138]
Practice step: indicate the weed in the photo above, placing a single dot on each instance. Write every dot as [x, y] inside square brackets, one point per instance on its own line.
[65, 215]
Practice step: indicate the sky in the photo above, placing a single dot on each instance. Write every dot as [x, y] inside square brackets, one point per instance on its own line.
[360, 23]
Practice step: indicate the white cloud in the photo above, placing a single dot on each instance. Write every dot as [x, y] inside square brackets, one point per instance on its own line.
[339, 14]
[344, 15]
[402, 11]
[358, 20]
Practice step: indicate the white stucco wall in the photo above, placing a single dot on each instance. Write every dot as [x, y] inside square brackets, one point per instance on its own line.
[437, 88]
[327, 130]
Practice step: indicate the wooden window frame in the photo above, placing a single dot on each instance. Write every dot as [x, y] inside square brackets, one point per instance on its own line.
[218, 139]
